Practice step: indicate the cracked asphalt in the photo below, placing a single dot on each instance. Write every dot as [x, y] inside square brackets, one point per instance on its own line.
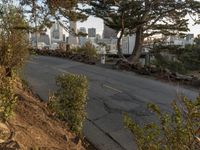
[111, 94]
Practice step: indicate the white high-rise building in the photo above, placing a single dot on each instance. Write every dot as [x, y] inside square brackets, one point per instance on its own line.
[56, 33]
[128, 43]
[109, 33]
[91, 32]
[82, 39]
[73, 39]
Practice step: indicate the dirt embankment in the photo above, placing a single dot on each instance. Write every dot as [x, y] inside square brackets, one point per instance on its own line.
[33, 127]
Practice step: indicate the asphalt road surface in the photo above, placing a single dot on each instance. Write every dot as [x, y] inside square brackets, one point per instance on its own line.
[111, 93]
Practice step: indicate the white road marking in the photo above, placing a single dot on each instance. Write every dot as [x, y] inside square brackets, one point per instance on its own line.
[32, 62]
[114, 89]
[62, 70]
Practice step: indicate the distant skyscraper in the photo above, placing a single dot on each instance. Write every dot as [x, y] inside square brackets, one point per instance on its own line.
[109, 33]
[82, 39]
[56, 32]
[72, 39]
[189, 37]
[64, 38]
[82, 29]
[44, 38]
[41, 37]
[92, 32]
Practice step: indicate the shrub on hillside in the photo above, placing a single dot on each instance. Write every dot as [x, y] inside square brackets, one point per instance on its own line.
[179, 130]
[7, 98]
[13, 51]
[69, 102]
[13, 38]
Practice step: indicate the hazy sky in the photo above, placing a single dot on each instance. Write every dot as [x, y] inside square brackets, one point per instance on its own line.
[97, 23]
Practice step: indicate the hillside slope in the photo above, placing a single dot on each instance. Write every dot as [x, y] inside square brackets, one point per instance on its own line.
[34, 127]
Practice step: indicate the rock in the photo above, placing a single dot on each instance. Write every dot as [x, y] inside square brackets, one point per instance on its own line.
[183, 77]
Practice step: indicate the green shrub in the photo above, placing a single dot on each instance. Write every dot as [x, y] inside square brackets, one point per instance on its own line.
[176, 131]
[7, 98]
[88, 50]
[69, 101]
[173, 65]
[186, 59]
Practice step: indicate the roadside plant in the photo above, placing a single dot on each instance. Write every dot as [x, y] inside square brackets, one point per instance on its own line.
[13, 38]
[7, 98]
[69, 102]
[88, 50]
[178, 130]
[13, 51]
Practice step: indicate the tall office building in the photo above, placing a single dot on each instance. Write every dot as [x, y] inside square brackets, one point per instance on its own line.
[56, 33]
[109, 33]
[72, 39]
[189, 37]
[82, 39]
[41, 38]
[91, 32]
[44, 38]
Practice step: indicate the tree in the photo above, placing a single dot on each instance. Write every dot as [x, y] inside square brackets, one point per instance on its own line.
[13, 51]
[146, 18]
[115, 16]
[13, 38]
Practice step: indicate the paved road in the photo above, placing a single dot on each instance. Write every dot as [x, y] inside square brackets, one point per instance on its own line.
[111, 93]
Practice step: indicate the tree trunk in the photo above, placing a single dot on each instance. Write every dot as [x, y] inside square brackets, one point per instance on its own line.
[120, 37]
[134, 58]
[119, 49]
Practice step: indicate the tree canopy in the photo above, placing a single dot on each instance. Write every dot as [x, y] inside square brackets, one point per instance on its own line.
[144, 18]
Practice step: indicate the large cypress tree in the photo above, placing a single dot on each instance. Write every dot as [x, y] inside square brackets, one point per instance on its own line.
[144, 18]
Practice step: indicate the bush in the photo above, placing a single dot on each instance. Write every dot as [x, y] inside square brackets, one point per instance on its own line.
[88, 50]
[69, 101]
[13, 51]
[176, 131]
[7, 98]
[186, 59]
[13, 41]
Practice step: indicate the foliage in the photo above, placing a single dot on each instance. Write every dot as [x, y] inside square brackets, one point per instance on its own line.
[190, 57]
[7, 98]
[13, 51]
[185, 59]
[88, 50]
[69, 101]
[177, 130]
[144, 18]
[13, 41]
[162, 62]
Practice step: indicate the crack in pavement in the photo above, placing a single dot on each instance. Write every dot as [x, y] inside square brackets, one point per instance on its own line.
[107, 134]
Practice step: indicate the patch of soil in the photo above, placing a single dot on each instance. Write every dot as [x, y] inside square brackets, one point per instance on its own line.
[34, 127]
